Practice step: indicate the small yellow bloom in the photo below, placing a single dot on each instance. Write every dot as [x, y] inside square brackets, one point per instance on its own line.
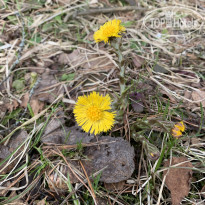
[178, 129]
[108, 30]
[92, 113]
[181, 126]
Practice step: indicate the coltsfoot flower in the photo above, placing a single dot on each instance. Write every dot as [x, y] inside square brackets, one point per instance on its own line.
[108, 30]
[92, 112]
[178, 129]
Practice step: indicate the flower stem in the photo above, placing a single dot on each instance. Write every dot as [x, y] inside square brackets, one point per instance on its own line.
[121, 63]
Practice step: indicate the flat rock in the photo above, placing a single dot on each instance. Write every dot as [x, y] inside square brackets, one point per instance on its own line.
[117, 155]
[67, 135]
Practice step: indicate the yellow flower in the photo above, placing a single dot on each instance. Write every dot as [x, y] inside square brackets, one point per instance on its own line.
[178, 129]
[92, 113]
[108, 30]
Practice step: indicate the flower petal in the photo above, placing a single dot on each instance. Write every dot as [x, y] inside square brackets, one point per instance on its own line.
[92, 113]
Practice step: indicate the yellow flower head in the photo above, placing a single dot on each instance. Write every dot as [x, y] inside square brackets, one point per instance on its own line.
[109, 29]
[92, 113]
[178, 129]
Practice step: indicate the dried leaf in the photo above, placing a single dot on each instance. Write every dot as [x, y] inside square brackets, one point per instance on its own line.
[86, 60]
[36, 106]
[115, 186]
[177, 179]
[15, 104]
[136, 102]
[46, 91]
[48, 88]
[5, 152]
[6, 104]
[9, 107]
[24, 100]
[197, 142]
[137, 60]
[199, 95]
[203, 191]
[187, 94]
[16, 140]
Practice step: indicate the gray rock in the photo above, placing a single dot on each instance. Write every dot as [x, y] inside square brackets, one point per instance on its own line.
[68, 136]
[116, 154]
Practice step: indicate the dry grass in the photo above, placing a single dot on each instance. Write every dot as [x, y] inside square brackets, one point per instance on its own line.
[165, 64]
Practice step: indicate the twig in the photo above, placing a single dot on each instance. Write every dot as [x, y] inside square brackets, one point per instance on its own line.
[108, 10]
[89, 183]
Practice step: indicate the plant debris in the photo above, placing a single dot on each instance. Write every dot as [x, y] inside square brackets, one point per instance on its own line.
[199, 96]
[86, 60]
[45, 92]
[178, 179]
[57, 182]
[48, 89]
[15, 141]
[136, 102]
[115, 186]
